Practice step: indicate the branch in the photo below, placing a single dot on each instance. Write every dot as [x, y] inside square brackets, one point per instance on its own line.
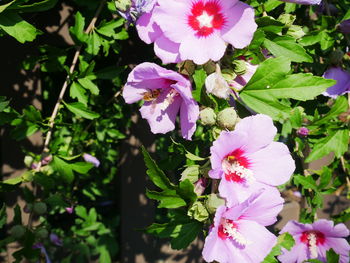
[65, 84]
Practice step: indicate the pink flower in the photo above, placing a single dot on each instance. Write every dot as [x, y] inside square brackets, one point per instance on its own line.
[197, 30]
[239, 233]
[91, 159]
[165, 93]
[313, 240]
[70, 210]
[303, 131]
[248, 159]
[304, 2]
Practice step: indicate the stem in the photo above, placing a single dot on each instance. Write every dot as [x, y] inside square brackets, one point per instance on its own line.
[65, 84]
[60, 99]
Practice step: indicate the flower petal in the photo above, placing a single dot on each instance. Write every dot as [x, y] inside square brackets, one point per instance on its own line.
[167, 50]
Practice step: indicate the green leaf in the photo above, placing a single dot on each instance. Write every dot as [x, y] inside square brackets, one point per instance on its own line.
[81, 167]
[286, 241]
[346, 16]
[193, 157]
[155, 173]
[336, 142]
[199, 77]
[3, 7]
[287, 48]
[63, 168]
[16, 27]
[182, 233]
[3, 103]
[167, 198]
[13, 181]
[198, 212]
[298, 86]
[77, 91]
[191, 173]
[80, 110]
[340, 105]
[186, 191]
[306, 181]
[326, 177]
[332, 257]
[93, 43]
[35, 7]
[270, 72]
[88, 84]
[77, 30]
[108, 29]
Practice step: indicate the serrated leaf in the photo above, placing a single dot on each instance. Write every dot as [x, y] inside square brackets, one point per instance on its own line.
[336, 141]
[63, 168]
[108, 29]
[77, 91]
[80, 110]
[186, 191]
[287, 48]
[77, 30]
[155, 173]
[18, 28]
[168, 198]
[81, 167]
[340, 105]
[93, 43]
[88, 84]
[306, 181]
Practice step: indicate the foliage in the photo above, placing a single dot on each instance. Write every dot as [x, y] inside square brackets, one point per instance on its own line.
[91, 118]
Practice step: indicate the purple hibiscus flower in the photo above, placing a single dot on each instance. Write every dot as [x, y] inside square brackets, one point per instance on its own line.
[91, 159]
[304, 2]
[165, 93]
[313, 240]
[343, 82]
[248, 159]
[136, 9]
[239, 233]
[196, 30]
[344, 26]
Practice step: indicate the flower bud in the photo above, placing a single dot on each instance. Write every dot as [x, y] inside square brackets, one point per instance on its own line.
[227, 118]
[296, 31]
[18, 231]
[303, 131]
[55, 239]
[198, 212]
[200, 186]
[91, 159]
[70, 210]
[217, 85]
[40, 208]
[122, 5]
[191, 173]
[228, 74]
[42, 233]
[239, 67]
[207, 116]
[287, 19]
[213, 202]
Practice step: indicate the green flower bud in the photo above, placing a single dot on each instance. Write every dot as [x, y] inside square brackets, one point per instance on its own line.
[209, 67]
[227, 118]
[213, 202]
[198, 212]
[239, 67]
[296, 31]
[287, 19]
[40, 208]
[122, 5]
[42, 233]
[216, 132]
[228, 74]
[18, 231]
[207, 116]
[191, 173]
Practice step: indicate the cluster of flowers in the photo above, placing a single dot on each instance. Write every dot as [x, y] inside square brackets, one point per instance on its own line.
[247, 161]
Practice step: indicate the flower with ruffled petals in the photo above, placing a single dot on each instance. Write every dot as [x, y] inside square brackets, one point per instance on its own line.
[313, 240]
[248, 159]
[132, 10]
[343, 82]
[239, 233]
[197, 30]
[165, 93]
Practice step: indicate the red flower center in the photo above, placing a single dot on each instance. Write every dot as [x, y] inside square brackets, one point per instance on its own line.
[205, 17]
[236, 167]
[307, 235]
